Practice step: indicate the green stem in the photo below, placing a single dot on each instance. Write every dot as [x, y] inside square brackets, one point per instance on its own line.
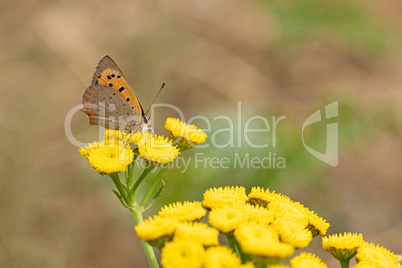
[151, 188]
[142, 177]
[344, 263]
[129, 174]
[243, 256]
[117, 181]
[149, 252]
[231, 241]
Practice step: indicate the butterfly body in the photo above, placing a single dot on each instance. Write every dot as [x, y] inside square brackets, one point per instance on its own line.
[110, 101]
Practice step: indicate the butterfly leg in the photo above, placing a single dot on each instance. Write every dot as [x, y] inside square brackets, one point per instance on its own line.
[126, 143]
[145, 140]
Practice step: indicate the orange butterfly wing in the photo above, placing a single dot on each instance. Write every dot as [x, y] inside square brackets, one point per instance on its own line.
[107, 73]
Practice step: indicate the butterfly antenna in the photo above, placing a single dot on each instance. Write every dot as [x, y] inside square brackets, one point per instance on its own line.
[163, 85]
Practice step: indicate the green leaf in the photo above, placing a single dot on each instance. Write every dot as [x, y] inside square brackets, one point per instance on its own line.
[156, 196]
[120, 198]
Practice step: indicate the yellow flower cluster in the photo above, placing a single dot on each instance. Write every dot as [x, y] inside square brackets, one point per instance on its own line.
[376, 256]
[108, 158]
[265, 232]
[264, 228]
[186, 135]
[345, 246]
[114, 154]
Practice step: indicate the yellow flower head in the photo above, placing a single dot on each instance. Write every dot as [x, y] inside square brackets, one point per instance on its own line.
[376, 256]
[224, 197]
[255, 233]
[182, 254]
[258, 214]
[86, 151]
[112, 135]
[197, 232]
[363, 264]
[264, 197]
[221, 257]
[290, 209]
[155, 228]
[157, 149]
[291, 232]
[226, 219]
[343, 246]
[188, 211]
[260, 241]
[189, 135]
[107, 158]
[126, 137]
[307, 260]
[316, 224]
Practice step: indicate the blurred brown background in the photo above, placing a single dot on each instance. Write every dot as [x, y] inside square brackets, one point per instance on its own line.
[276, 57]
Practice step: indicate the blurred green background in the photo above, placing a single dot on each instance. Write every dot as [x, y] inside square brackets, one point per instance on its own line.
[277, 58]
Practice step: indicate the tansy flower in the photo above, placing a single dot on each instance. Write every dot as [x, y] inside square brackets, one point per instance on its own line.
[316, 224]
[289, 209]
[108, 159]
[251, 232]
[221, 257]
[188, 211]
[278, 266]
[157, 149]
[307, 260]
[86, 151]
[264, 197]
[156, 228]
[343, 246]
[113, 135]
[258, 214]
[224, 197]
[226, 219]
[291, 232]
[256, 240]
[363, 264]
[197, 232]
[188, 135]
[182, 254]
[376, 255]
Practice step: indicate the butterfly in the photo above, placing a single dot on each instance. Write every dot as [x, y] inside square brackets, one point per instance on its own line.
[110, 101]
